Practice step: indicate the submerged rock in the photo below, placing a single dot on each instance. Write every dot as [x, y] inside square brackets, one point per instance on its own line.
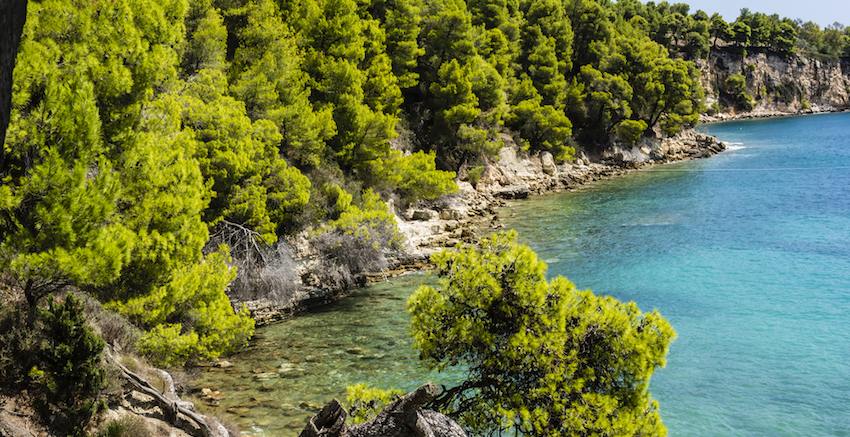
[266, 376]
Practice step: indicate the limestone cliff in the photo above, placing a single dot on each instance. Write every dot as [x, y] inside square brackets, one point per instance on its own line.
[779, 85]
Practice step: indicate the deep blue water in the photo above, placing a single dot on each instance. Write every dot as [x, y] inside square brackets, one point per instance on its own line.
[747, 254]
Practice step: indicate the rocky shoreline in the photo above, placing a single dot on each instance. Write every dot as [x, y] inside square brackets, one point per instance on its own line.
[431, 226]
[731, 116]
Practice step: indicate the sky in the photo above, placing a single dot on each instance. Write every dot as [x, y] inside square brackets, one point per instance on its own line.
[822, 12]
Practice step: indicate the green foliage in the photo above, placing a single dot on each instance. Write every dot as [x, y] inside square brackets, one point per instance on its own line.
[402, 24]
[87, 172]
[239, 160]
[69, 375]
[371, 223]
[190, 317]
[740, 33]
[474, 174]
[719, 29]
[18, 345]
[735, 83]
[268, 77]
[206, 40]
[823, 44]
[541, 127]
[735, 86]
[629, 131]
[669, 93]
[368, 402]
[413, 176]
[715, 108]
[542, 357]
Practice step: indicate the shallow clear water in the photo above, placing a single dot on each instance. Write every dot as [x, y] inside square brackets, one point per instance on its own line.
[746, 253]
[291, 369]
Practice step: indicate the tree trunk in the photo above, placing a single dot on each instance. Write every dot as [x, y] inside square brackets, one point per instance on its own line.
[13, 14]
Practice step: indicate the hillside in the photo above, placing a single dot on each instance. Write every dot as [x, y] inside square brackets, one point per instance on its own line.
[775, 83]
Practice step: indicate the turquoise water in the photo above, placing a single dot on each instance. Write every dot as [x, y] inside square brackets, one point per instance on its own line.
[746, 253]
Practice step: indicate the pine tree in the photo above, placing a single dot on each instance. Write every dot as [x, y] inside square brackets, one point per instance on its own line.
[542, 357]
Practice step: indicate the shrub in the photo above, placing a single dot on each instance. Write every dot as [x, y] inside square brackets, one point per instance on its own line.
[263, 270]
[630, 130]
[414, 176]
[114, 328]
[365, 402]
[126, 426]
[716, 108]
[18, 344]
[68, 376]
[735, 83]
[744, 101]
[360, 239]
[474, 174]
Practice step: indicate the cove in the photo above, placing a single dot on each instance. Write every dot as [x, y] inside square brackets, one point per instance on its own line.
[747, 254]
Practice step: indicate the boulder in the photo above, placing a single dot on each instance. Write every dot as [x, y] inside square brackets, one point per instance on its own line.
[404, 417]
[452, 214]
[512, 192]
[548, 163]
[423, 214]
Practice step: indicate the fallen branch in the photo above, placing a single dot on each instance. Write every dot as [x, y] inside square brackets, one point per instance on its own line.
[170, 408]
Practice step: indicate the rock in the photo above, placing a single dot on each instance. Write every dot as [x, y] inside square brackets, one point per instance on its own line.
[423, 214]
[240, 411]
[404, 417]
[451, 225]
[512, 192]
[452, 214]
[286, 367]
[307, 405]
[212, 395]
[223, 364]
[548, 163]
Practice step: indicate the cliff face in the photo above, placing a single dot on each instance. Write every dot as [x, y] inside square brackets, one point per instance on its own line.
[779, 85]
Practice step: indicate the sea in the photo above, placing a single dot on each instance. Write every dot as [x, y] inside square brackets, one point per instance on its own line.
[746, 253]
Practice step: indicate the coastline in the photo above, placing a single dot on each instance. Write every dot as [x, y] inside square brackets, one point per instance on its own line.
[431, 226]
[755, 114]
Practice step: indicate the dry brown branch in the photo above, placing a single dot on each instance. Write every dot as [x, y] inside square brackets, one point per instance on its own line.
[170, 408]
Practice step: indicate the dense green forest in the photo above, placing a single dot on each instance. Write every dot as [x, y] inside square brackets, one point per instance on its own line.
[140, 129]
[142, 132]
